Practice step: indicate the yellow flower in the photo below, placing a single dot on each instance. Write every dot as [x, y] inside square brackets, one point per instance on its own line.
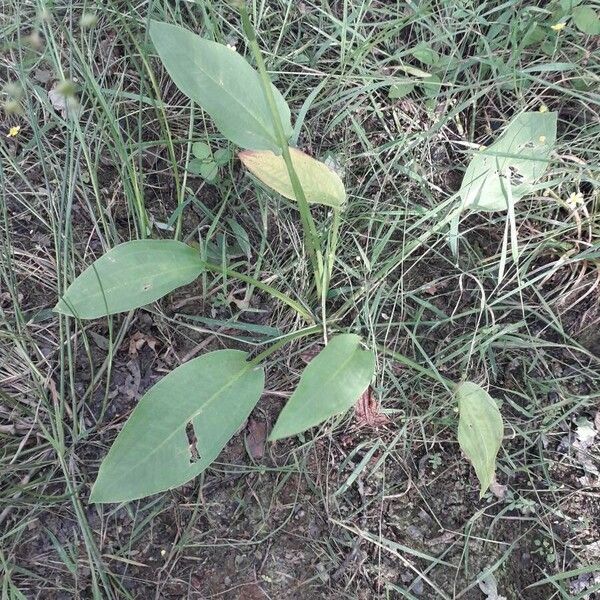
[558, 26]
[543, 108]
[14, 131]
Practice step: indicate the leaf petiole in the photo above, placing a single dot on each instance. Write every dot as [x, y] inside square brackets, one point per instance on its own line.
[301, 310]
[310, 231]
[296, 335]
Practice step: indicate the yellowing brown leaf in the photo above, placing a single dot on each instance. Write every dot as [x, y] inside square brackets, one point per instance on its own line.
[320, 184]
[367, 410]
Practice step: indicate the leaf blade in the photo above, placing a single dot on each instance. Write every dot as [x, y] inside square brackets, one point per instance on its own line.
[223, 83]
[586, 19]
[401, 89]
[128, 276]
[480, 430]
[329, 386]
[321, 185]
[523, 149]
[215, 392]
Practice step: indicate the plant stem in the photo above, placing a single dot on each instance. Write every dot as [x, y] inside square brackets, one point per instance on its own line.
[327, 272]
[283, 341]
[301, 310]
[310, 231]
[181, 189]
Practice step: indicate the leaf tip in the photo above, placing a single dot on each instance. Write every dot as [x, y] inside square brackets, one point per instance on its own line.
[156, 27]
[154, 24]
[95, 496]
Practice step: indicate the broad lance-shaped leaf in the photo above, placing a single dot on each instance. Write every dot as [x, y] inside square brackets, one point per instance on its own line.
[321, 185]
[180, 426]
[129, 276]
[223, 84]
[518, 158]
[330, 385]
[480, 430]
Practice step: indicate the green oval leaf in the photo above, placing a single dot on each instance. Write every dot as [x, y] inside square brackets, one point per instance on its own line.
[480, 430]
[517, 159]
[586, 19]
[425, 53]
[201, 150]
[330, 385]
[129, 276]
[223, 84]
[321, 185]
[401, 89]
[180, 426]
[432, 86]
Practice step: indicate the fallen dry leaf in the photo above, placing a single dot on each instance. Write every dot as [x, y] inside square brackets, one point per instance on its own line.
[442, 540]
[66, 105]
[255, 438]
[367, 410]
[431, 289]
[59, 102]
[43, 75]
[498, 489]
[138, 340]
[489, 586]
[133, 379]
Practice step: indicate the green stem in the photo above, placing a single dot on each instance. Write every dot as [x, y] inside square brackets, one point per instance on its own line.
[327, 272]
[310, 231]
[283, 341]
[181, 189]
[301, 310]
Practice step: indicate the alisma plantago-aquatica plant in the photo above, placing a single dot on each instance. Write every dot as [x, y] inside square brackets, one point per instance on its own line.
[215, 393]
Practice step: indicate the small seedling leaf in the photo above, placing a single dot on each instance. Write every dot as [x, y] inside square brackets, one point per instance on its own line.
[222, 156]
[241, 237]
[480, 430]
[401, 89]
[201, 150]
[586, 19]
[321, 185]
[180, 426]
[195, 165]
[518, 158]
[534, 35]
[424, 53]
[432, 86]
[209, 170]
[330, 385]
[223, 84]
[130, 275]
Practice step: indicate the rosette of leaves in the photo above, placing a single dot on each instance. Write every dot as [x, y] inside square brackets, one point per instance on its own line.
[205, 164]
[181, 425]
